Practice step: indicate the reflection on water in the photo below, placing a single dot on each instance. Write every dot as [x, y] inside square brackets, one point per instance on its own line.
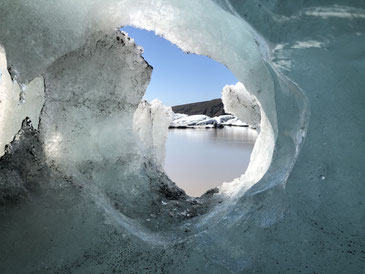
[200, 159]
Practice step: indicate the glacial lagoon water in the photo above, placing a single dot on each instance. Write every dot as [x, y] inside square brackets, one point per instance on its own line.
[200, 159]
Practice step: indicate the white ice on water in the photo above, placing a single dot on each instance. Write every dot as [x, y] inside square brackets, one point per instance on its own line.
[236, 99]
[182, 120]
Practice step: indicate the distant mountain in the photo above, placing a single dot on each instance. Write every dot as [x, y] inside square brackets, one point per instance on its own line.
[210, 108]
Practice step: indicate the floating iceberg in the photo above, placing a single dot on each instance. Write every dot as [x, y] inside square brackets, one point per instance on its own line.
[82, 193]
[184, 121]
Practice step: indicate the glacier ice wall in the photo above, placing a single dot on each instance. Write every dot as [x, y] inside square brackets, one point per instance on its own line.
[78, 195]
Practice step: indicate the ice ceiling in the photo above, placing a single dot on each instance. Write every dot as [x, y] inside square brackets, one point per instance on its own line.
[83, 193]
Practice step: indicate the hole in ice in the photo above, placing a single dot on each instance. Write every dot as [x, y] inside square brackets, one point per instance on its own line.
[202, 151]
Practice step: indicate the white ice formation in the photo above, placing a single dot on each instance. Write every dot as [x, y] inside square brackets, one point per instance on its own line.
[151, 123]
[236, 99]
[83, 194]
[14, 109]
[180, 120]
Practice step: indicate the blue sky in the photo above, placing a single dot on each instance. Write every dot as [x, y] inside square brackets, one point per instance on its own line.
[177, 77]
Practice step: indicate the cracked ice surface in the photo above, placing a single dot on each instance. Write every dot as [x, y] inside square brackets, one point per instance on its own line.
[81, 194]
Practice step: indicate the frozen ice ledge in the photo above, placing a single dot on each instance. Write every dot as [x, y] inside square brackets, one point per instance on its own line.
[82, 188]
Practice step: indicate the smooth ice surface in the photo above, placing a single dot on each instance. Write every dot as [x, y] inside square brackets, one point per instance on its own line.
[82, 195]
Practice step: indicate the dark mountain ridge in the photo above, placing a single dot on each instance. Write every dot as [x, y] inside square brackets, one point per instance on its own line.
[210, 108]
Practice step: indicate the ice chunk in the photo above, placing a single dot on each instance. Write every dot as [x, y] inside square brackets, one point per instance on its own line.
[89, 104]
[16, 103]
[236, 99]
[177, 116]
[235, 122]
[151, 123]
[184, 121]
[224, 118]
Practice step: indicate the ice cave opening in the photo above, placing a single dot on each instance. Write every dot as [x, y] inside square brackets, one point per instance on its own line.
[88, 182]
[94, 128]
[80, 134]
[206, 145]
